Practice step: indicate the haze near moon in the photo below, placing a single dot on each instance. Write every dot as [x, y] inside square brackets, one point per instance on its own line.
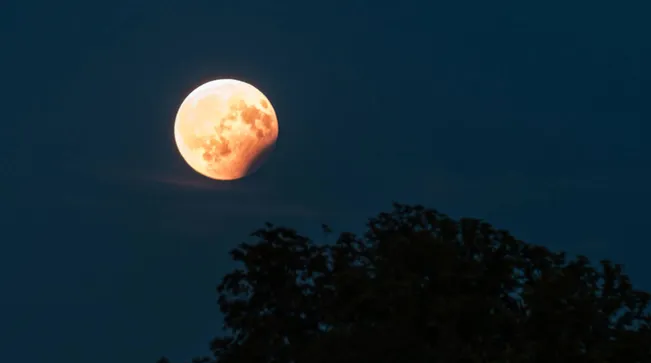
[225, 128]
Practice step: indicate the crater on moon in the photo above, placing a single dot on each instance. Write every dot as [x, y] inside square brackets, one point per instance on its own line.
[225, 129]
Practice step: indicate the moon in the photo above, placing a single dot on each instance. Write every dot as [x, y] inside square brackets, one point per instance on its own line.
[225, 129]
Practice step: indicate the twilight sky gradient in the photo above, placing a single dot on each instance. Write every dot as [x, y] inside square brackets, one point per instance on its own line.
[533, 116]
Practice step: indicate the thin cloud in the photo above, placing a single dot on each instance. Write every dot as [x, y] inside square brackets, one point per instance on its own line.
[195, 182]
[183, 180]
[188, 193]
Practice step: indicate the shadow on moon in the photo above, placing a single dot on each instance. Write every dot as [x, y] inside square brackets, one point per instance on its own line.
[260, 159]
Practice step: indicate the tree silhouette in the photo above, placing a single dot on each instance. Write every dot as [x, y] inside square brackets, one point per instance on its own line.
[419, 286]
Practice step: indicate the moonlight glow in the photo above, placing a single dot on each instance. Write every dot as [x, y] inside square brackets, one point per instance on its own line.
[225, 128]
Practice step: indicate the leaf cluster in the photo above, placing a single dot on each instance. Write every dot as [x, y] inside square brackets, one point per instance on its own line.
[419, 286]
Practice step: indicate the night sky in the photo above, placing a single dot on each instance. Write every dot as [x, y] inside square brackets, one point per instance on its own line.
[533, 117]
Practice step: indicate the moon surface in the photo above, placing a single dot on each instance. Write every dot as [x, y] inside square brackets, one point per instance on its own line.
[225, 129]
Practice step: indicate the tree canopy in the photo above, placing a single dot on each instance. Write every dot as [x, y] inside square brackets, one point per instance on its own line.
[419, 286]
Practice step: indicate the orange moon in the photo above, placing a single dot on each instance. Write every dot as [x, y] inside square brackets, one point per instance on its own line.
[225, 128]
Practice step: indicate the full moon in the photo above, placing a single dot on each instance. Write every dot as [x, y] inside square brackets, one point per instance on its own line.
[225, 129]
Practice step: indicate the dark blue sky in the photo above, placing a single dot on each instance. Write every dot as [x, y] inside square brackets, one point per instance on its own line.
[534, 117]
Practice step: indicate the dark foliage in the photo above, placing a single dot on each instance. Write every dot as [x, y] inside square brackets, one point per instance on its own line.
[421, 287]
